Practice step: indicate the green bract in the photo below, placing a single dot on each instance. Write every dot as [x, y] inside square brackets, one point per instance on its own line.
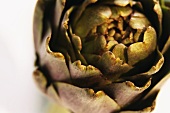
[102, 56]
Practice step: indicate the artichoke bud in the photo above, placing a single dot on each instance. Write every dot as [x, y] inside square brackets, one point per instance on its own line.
[101, 54]
[120, 29]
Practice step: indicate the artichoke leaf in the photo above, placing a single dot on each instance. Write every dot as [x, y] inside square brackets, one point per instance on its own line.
[110, 45]
[61, 39]
[86, 22]
[77, 45]
[166, 46]
[52, 94]
[148, 109]
[96, 46]
[158, 11]
[165, 29]
[125, 93]
[119, 51]
[75, 98]
[140, 50]
[58, 26]
[47, 89]
[112, 66]
[157, 87]
[158, 64]
[86, 76]
[53, 61]
[48, 24]
[91, 58]
[146, 75]
[123, 2]
[117, 2]
[159, 79]
[40, 80]
[161, 76]
[58, 10]
[37, 24]
[40, 23]
[144, 106]
[123, 11]
[65, 39]
[80, 71]
[154, 13]
[76, 41]
[118, 11]
[138, 21]
[81, 9]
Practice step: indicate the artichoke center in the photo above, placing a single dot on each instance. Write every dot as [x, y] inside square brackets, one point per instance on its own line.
[121, 35]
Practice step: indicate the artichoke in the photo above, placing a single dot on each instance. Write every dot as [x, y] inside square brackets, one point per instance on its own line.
[102, 56]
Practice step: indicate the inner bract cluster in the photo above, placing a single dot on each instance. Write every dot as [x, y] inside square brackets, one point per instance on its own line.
[114, 37]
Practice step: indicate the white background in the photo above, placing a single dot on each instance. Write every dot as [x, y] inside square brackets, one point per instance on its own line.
[18, 93]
